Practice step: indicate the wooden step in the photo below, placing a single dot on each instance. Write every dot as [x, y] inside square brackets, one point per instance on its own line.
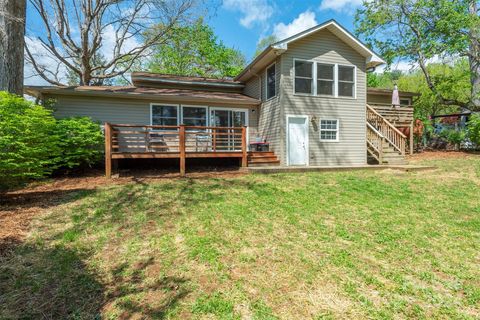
[264, 160]
[264, 164]
[272, 158]
[261, 154]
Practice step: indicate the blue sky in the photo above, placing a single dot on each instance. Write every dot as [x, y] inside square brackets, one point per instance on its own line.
[241, 23]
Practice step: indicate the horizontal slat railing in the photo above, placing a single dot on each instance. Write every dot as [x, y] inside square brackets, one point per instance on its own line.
[174, 140]
[395, 137]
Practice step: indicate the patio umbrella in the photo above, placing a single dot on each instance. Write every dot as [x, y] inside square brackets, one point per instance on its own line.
[395, 97]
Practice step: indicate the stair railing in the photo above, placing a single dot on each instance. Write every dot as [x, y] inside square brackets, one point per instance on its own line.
[375, 143]
[391, 134]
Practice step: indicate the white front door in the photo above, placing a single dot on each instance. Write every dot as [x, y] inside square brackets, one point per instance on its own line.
[297, 140]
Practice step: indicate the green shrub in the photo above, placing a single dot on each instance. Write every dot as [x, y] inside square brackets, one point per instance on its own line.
[80, 140]
[28, 147]
[473, 129]
[455, 137]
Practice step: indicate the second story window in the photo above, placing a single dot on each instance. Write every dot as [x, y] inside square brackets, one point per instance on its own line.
[346, 81]
[325, 79]
[271, 85]
[303, 77]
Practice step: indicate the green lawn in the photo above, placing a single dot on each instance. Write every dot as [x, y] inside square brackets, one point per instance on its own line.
[364, 244]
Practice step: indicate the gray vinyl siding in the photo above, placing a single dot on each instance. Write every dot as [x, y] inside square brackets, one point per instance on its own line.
[269, 125]
[252, 87]
[125, 111]
[325, 47]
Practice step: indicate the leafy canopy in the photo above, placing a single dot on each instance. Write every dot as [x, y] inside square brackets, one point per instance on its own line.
[196, 51]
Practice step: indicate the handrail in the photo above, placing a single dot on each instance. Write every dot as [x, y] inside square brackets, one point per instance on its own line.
[375, 130]
[391, 134]
[386, 122]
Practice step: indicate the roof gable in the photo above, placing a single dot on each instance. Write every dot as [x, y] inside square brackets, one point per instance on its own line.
[278, 48]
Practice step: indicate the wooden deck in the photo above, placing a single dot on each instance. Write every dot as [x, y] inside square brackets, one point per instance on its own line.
[124, 141]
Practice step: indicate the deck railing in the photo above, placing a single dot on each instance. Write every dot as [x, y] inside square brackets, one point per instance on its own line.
[136, 141]
[394, 136]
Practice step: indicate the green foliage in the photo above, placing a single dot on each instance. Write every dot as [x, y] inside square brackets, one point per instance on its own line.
[196, 51]
[453, 136]
[28, 150]
[418, 31]
[373, 80]
[80, 140]
[473, 129]
[33, 144]
[264, 43]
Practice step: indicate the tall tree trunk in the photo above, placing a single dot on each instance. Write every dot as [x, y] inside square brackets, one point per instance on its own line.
[474, 60]
[12, 44]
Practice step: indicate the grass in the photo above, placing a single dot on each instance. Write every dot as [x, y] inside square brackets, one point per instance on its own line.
[362, 244]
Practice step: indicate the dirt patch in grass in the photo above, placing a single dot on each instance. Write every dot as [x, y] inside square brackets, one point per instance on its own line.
[440, 155]
[19, 207]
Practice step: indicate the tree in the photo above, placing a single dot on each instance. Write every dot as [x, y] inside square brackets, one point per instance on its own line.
[195, 51]
[12, 31]
[422, 30]
[265, 42]
[97, 40]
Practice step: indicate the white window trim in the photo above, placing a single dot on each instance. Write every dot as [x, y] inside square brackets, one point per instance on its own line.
[164, 105]
[314, 86]
[320, 129]
[307, 139]
[266, 82]
[314, 80]
[194, 106]
[354, 81]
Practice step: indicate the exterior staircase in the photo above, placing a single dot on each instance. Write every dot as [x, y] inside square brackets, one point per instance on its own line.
[262, 159]
[385, 143]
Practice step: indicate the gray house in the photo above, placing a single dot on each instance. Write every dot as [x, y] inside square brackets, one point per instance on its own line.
[301, 102]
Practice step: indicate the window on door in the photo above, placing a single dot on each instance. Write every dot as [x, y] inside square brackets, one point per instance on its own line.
[329, 130]
[165, 115]
[303, 77]
[271, 89]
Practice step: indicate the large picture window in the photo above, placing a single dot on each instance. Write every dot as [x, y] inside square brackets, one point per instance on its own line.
[303, 77]
[346, 81]
[325, 79]
[164, 115]
[194, 116]
[329, 130]
[271, 85]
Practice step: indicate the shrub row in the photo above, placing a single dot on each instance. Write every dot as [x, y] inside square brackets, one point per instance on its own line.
[33, 144]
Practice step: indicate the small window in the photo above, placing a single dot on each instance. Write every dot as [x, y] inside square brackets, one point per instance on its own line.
[346, 81]
[194, 116]
[329, 130]
[404, 102]
[303, 77]
[164, 115]
[271, 82]
[325, 79]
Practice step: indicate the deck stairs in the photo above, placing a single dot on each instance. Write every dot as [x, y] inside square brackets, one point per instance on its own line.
[385, 143]
[262, 159]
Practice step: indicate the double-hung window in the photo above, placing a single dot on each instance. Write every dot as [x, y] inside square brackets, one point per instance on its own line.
[165, 115]
[325, 79]
[346, 81]
[271, 85]
[303, 77]
[329, 130]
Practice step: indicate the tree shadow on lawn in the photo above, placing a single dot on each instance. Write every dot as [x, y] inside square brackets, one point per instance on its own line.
[55, 283]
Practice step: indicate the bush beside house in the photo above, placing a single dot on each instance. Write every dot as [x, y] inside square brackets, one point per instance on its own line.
[33, 144]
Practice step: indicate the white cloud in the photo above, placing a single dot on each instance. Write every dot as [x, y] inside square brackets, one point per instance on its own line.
[110, 41]
[254, 11]
[340, 5]
[303, 22]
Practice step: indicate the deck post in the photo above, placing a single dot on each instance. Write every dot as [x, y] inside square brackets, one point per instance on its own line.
[108, 150]
[411, 138]
[181, 137]
[244, 147]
